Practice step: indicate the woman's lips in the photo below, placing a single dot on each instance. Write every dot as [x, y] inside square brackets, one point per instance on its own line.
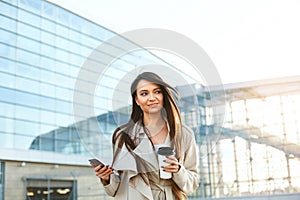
[153, 105]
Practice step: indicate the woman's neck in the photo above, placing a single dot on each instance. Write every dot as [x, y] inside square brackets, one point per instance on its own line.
[156, 128]
[152, 120]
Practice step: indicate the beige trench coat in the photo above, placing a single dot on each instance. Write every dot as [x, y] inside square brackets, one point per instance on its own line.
[129, 185]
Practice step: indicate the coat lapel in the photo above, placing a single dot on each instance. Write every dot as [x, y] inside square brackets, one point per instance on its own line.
[125, 161]
[146, 151]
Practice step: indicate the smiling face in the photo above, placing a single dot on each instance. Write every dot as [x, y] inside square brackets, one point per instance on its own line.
[149, 97]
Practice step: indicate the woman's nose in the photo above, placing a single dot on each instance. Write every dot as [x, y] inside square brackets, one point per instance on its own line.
[151, 96]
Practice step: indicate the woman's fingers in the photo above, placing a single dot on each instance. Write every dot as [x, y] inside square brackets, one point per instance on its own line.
[173, 164]
[103, 172]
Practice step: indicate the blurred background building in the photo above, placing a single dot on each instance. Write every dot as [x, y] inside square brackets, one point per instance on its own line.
[254, 154]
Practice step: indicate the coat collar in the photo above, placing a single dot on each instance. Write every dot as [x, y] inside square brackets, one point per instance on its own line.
[144, 150]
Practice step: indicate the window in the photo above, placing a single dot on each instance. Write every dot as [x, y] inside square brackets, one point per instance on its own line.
[28, 44]
[7, 37]
[29, 30]
[50, 189]
[32, 6]
[7, 51]
[25, 16]
[8, 10]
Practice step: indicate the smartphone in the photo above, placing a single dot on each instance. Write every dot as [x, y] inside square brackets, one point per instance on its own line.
[96, 162]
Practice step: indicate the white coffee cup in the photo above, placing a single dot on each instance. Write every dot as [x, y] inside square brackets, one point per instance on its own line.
[163, 153]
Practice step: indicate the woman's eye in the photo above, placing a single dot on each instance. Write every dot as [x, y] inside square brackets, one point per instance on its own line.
[143, 93]
[158, 92]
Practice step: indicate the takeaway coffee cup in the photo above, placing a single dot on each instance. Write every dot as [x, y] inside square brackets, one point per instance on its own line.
[163, 153]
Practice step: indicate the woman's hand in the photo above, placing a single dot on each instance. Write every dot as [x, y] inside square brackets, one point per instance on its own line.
[103, 172]
[173, 164]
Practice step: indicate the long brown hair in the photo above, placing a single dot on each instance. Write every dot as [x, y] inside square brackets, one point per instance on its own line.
[170, 113]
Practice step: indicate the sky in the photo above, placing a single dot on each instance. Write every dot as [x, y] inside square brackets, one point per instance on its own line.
[246, 39]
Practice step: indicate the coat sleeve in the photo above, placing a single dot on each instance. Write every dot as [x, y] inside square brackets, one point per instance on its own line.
[115, 178]
[112, 187]
[187, 178]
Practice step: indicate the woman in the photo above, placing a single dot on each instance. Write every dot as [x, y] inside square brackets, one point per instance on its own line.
[155, 121]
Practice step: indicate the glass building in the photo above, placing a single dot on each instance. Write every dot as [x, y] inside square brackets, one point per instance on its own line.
[58, 109]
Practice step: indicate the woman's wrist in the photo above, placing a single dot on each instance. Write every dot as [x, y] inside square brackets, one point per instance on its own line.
[105, 182]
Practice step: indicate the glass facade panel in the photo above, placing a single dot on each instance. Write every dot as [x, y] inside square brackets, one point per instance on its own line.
[28, 30]
[48, 27]
[7, 95]
[28, 58]
[27, 85]
[7, 125]
[64, 107]
[47, 89]
[7, 110]
[45, 128]
[26, 113]
[62, 42]
[7, 37]
[7, 65]
[10, 26]
[48, 51]
[7, 80]
[25, 127]
[75, 36]
[26, 17]
[7, 10]
[27, 71]
[7, 51]
[46, 65]
[64, 94]
[63, 17]
[47, 38]
[48, 10]
[32, 6]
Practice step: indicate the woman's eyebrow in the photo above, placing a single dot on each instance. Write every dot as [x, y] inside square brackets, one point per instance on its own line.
[145, 90]
[142, 91]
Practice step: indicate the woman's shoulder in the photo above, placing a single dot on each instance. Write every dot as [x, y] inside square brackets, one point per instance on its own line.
[188, 138]
[187, 130]
[187, 133]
